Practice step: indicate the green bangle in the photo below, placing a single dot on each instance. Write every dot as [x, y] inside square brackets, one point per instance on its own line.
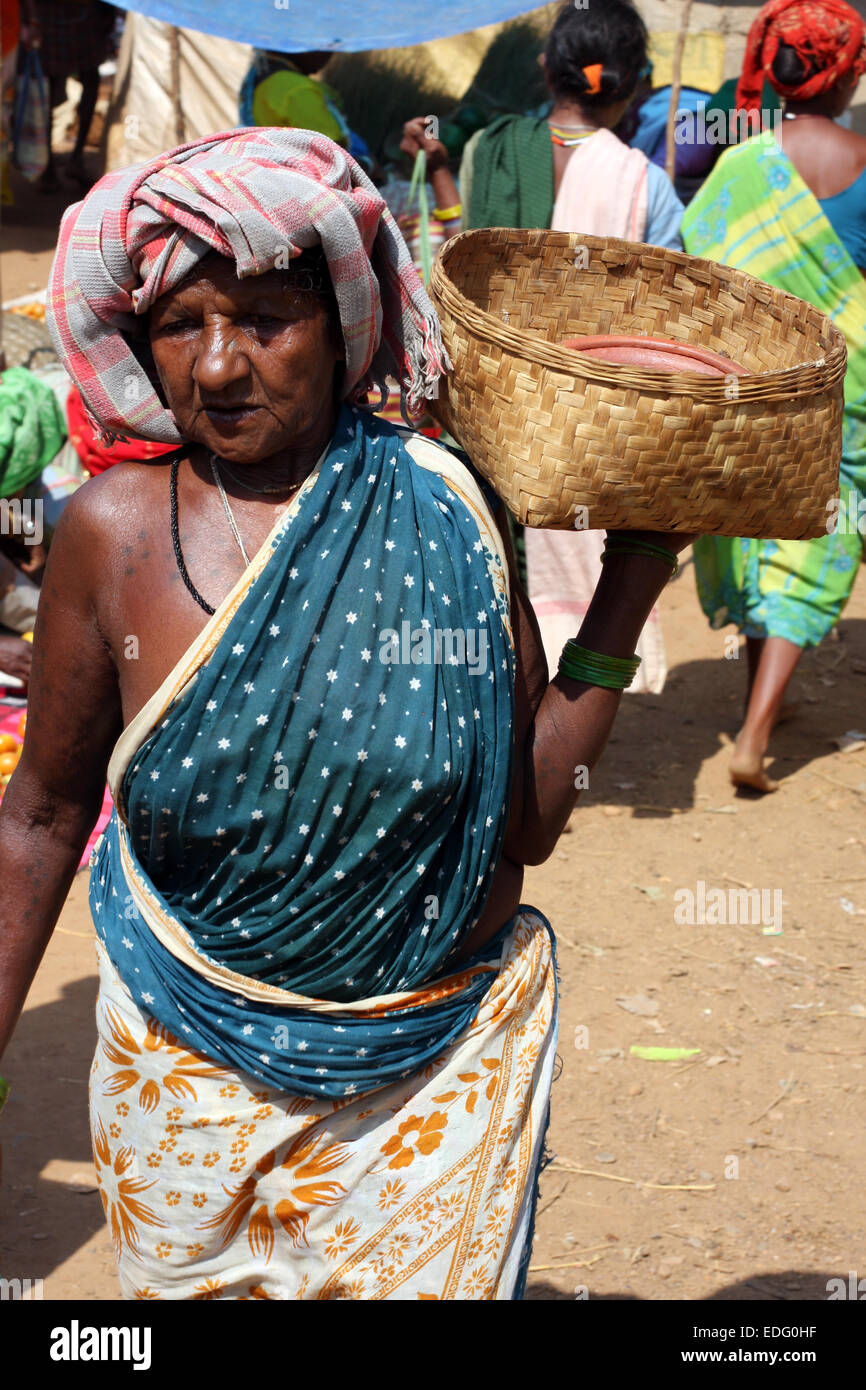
[597, 668]
[4, 1091]
[656, 552]
[601, 659]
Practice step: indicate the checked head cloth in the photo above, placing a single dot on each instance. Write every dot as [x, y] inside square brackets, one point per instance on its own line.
[256, 196]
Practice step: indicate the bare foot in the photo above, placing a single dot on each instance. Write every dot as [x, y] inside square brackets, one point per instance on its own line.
[747, 768]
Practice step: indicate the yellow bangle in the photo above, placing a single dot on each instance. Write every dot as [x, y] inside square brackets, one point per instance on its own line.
[448, 214]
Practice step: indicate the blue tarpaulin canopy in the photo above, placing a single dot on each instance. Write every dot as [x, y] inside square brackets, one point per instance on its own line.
[295, 26]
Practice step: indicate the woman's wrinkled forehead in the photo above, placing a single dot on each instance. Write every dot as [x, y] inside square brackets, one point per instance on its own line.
[216, 276]
[214, 271]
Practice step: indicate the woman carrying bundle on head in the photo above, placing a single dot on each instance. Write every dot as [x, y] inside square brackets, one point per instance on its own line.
[794, 215]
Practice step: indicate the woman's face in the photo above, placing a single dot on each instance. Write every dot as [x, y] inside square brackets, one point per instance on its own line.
[247, 366]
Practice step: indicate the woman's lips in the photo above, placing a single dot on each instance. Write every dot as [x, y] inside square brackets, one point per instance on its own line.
[230, 415]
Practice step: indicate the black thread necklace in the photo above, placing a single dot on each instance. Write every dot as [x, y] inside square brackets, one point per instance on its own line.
[175, 540]
[175, 533]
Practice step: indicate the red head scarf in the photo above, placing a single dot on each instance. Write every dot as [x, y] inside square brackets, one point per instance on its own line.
[828, 35]
[96, 456]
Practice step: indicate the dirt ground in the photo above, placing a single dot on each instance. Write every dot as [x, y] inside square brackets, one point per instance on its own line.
[724, 1176]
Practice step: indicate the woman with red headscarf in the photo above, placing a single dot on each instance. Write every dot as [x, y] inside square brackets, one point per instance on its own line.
[813, 53]
[794, 214]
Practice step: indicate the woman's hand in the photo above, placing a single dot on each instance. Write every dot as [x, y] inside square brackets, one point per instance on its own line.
[32, 562]
[633, 579]
[16, 657]
[416, 137]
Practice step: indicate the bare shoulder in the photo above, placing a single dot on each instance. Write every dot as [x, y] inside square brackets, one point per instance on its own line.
[858, 147]
[849, 148]
[109, 510]
[849, 144]
[829, 158]
[120, 492]
[103, 524]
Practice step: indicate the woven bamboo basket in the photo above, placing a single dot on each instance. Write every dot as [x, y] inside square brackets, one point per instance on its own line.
[569, 440]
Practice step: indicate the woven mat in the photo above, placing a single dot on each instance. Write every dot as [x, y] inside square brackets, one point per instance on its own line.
[26, 341]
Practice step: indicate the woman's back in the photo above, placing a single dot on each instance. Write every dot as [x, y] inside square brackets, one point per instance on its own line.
[832, 162]
[826, 156]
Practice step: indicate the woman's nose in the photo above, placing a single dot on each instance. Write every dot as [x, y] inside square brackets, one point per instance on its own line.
[220, 360]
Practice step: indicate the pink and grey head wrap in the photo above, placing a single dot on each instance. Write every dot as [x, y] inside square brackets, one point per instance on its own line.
[255, 196]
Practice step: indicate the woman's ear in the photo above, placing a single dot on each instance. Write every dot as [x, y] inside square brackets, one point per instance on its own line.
[546, 75]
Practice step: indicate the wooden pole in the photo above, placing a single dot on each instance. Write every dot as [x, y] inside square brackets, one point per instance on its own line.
[676, 88]
[174, 51]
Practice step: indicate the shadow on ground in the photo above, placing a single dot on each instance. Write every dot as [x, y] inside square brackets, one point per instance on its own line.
[48, 1062]
[786, 1286]
[661, 742]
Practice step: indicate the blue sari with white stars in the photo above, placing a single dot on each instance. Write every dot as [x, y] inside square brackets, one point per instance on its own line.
[317, 809]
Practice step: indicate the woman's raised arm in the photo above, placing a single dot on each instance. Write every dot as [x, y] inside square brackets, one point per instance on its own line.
[562, 727]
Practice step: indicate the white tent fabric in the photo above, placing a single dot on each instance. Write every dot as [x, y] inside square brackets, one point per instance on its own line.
[141, 119]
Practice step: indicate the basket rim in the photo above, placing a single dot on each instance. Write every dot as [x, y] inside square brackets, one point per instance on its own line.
[783, 383]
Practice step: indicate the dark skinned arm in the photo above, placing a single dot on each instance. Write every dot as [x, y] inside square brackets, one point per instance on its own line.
[442, 180]
[73, 720]
[563, 724]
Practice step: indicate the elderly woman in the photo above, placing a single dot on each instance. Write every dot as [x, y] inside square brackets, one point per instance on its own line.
[326, 1024]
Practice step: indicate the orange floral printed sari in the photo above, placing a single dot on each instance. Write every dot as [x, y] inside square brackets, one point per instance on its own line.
[217, 1187]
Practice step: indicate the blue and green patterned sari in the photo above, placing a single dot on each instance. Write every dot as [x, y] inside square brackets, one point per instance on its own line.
[756, 213]
[311, 809]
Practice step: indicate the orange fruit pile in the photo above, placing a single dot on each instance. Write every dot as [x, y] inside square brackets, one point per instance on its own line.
[10, 752]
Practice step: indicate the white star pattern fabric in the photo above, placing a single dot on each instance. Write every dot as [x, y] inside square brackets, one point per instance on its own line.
[358, 860]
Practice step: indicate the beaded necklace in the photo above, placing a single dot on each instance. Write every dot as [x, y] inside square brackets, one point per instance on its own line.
[560, 135]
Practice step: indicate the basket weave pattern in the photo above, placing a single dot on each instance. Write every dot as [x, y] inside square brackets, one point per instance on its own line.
[557, 431]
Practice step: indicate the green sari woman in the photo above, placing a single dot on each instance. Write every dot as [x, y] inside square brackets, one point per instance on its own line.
[755, 212]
